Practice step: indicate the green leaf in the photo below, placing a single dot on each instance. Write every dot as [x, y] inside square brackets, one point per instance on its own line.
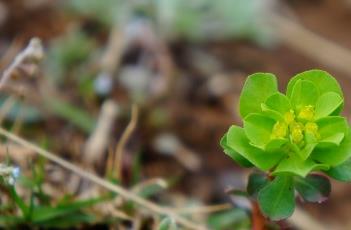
[258, 129]
[26, 212]
[242, 161]
[256, 182]
[271, 113]
[276, 199]
[341, 172]
[237, 140]
[307, 150]
[234, 155]
[257, 88]
[136, 168]
[68, 221]
[321, 79]
[275, 144]
[152, 189]
[331, 141]
[80, 118]
[331, 129]
[313, 188]
[294, 164]
[46, 213]
[334, 155]
[167, 224]
[304, 93]
[11, 221]
[232, 219]
[327, 104]
[278, 102]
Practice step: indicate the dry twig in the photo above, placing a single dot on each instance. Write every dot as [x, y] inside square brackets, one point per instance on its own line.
[170, 144]
[103, 183]
[98, 141]
[123, 141]
[33, 52]
[313, 45]
[205, 209]
[114, 50]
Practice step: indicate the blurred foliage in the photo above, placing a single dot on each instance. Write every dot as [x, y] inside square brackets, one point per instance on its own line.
[167, 224]
[67, 53]
[62, 215]
[68, 65]
[213, 20]
[71, 65]
[233, 219]
[76, 116]
[191, 20]
[105, 11]
[41, 210]
[27, 113]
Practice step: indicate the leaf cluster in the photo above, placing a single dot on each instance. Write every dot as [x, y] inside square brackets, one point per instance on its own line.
[289, 136]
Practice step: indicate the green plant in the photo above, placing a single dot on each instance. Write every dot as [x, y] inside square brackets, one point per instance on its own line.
[40, 210]
[289, 137]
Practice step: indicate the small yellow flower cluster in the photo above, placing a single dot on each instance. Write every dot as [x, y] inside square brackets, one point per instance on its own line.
[295, 128]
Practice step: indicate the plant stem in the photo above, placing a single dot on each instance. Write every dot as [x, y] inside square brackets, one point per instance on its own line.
[258, 220]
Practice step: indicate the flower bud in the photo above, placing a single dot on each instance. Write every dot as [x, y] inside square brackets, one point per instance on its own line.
[311, 127]
[280, 130]
[296, 130]
[306, 113]
[289, 117]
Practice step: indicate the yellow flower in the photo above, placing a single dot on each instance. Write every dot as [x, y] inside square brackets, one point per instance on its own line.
[306, 113]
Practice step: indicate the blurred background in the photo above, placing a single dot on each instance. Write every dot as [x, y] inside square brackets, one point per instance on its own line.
[140, 93]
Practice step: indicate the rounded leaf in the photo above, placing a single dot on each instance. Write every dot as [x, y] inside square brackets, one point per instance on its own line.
[237, 140]
[332, 130]
[258, 128]
[341, 172]
[256, 182]
[313, 188]
[336, 155]
[278, 102]
[304, 93]
[275, 144]
[243, 162]
[327, 104]
[295, 165]
[257, 88]
[276, 199]
[267, 111]
[321, 79]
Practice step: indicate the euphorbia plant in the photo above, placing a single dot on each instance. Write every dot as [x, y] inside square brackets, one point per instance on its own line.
[292, 138]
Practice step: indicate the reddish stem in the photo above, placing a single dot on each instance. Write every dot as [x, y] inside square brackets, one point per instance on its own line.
[258, 220]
